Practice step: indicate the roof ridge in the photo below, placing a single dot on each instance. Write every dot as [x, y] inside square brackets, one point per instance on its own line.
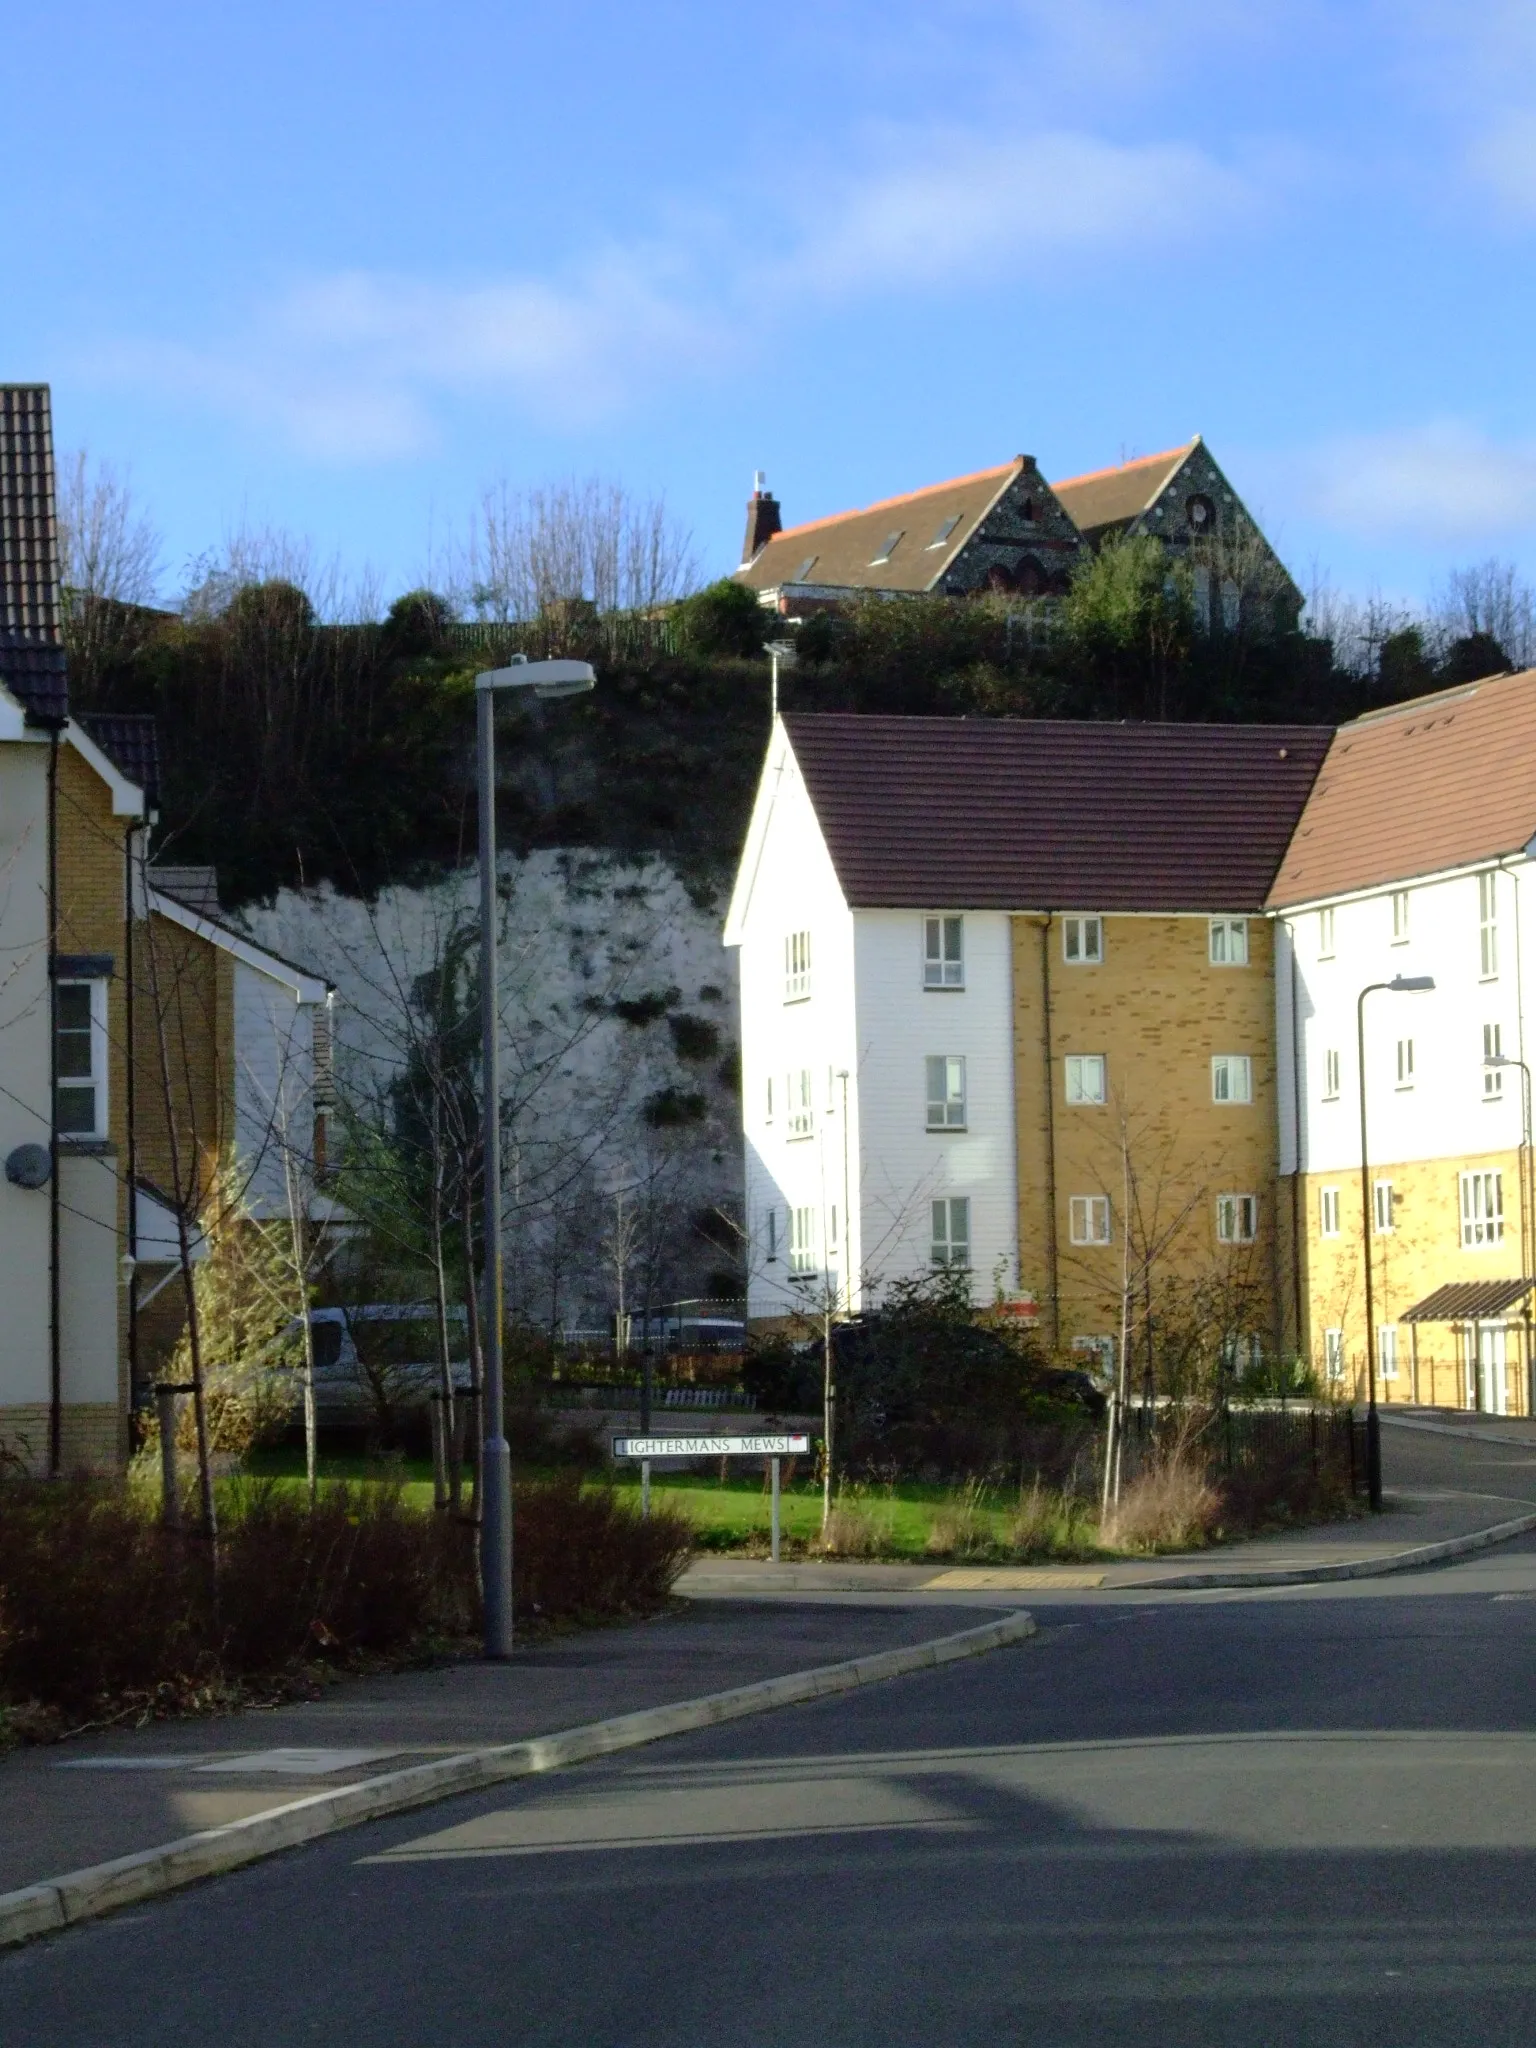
[953, 483]
[1090, 476]
[1453, 693]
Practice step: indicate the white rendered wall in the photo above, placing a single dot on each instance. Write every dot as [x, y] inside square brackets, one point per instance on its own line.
[906, 1166]
[24, 1070]
[274, 1087]
[1445, 1115]
[89, 1250]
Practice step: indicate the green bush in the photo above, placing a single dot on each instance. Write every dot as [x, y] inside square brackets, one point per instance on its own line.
[723, 618]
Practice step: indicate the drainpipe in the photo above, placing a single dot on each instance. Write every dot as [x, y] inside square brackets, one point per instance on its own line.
[1052, 1249]
[131, 1118]
[1527, 1166]
[1290, 932]
[55, 1342]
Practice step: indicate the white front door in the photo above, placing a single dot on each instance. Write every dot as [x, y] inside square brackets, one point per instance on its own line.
[1492, 1380]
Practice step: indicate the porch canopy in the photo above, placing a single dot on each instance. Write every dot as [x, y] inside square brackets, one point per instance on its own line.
[1469, 1301]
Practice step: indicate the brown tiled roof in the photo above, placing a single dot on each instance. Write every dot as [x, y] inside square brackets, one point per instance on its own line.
[130, 741]
[841, 550]
[31, 649]
[1046, 814]
[1439, 782]
[1111, 497]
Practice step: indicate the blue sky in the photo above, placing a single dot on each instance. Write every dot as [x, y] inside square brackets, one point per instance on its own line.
[338, 268]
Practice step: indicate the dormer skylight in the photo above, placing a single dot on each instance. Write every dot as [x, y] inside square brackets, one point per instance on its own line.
[887, 548]
[946, 530]
[804, 569]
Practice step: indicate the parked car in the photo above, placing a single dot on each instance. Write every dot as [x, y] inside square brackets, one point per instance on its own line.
[377, 1359]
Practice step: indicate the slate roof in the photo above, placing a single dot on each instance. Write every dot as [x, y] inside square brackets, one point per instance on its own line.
[1047, 814]
[32, 664]
[131, 742]
[1443, 781]
[840, 551]
[1114, 497]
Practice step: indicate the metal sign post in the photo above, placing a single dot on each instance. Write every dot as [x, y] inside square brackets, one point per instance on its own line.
[773, 1448]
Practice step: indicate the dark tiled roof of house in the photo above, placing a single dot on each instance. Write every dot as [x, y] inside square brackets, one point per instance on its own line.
[196, 888]
[846, 550]
[1047, 814]
[1443, 781]
[130, 741]
[32, 663]
[1114, 497]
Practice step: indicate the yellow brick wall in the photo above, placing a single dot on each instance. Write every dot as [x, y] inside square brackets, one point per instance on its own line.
[1422, 1251]
[92, 1436]
[1158, 1010]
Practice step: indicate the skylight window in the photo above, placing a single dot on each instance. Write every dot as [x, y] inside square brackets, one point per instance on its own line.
[804, 569]
[887, 548]
[946, 530]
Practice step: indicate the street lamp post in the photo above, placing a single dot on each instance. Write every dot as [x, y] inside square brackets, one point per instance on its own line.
[1527, 1220]
[1400, 984]
[545, 679]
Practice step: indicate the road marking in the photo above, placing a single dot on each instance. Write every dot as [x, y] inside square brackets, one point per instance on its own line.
[299, 1763]
[1018, 1579]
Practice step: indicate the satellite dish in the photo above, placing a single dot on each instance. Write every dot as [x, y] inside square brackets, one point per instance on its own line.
[28, 1166]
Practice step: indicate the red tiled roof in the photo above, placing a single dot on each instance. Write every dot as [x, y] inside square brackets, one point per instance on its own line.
[1046, 814]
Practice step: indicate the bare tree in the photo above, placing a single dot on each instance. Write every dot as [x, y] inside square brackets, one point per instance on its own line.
[111, 554]
[585, 539]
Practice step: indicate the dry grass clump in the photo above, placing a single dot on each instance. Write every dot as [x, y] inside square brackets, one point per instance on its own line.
[1171, 1505]
[963, 1527]
[855, 1528]
[1047, 1524]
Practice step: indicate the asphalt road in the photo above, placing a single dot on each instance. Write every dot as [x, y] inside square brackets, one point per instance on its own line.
[1304, 1817]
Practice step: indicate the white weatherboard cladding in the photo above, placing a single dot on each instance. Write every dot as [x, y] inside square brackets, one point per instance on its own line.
[24, 1111]
[792, 887]
[1446, 1114]
[906, 1166]
[274, 1085]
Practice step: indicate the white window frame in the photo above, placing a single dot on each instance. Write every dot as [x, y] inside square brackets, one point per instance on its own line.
[1404, 1065]
[800, 1103]
[943, 969]
[1331, 1075]
[1493, 1077]
[1333, 1354]
[1237, 1219]
[768, 1101]
[1085, 1072]
[1088, 1219]
[797, 967]
[1325, 933]
[1482, 1208]
[802, 1241]
[1328, 1212]
[96, 1082]
[1399, 917]
[1082, 941]
[1386, 1351]
[945, 1077]
[949, 1245]
[1231, 1078]
[771, 1234]
[1383, 1208]
[1488, 925]
[1228, 941]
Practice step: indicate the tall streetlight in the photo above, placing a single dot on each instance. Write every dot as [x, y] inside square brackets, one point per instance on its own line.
[1400, 984]
[1527, 1221]
[545, 679]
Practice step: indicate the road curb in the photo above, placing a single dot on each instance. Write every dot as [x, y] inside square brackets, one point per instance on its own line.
[1365, 1568]
[61, 1902]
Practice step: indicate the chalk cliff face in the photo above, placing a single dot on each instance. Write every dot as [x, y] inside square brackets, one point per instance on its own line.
[619, 1052]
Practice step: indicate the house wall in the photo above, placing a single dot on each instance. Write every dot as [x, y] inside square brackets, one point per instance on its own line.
[183, 1029]
[273, 1083]
[1421, 1137]
[907, 1167]
[1158, 1010]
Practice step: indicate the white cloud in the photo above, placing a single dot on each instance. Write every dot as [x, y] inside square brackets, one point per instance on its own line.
[1445, 481]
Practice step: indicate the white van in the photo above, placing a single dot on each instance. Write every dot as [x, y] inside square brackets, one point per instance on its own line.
[381, 1357]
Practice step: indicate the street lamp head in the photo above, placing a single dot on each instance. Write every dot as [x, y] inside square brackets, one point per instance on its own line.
[544, 678]
[783, 652]
[1498, 1059]
[1410, 984]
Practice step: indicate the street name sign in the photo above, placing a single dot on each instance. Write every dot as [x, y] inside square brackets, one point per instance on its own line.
[786, 1446]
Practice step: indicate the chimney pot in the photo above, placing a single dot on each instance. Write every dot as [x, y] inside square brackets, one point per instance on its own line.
[763, 520]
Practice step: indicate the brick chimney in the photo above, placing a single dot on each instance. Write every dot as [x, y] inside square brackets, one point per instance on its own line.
[763, 520]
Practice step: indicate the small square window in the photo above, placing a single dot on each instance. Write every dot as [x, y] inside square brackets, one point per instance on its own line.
[1325, 935]
[804, 569]
[1088, 1218]
[80, 1055]
[1237, 1219]
[1330, 1076]
[1231, 1077]
[1405, 1063]
[946, 1092]
[946, 528]
[1328, 1212]
[887, 548]
[943, 952]
[1085, 1077]
[1229, 942]
[1384, 1208]
[1482, 1210]
[1399, 917]
[1082, 941]
[952, 1231]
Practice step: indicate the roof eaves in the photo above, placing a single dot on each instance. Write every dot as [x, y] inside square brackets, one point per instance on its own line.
[307, 987]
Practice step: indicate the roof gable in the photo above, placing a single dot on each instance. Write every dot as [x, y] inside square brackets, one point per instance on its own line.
[1047, 814]
[1114, 497]
[32, 664]
[1405, 792]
